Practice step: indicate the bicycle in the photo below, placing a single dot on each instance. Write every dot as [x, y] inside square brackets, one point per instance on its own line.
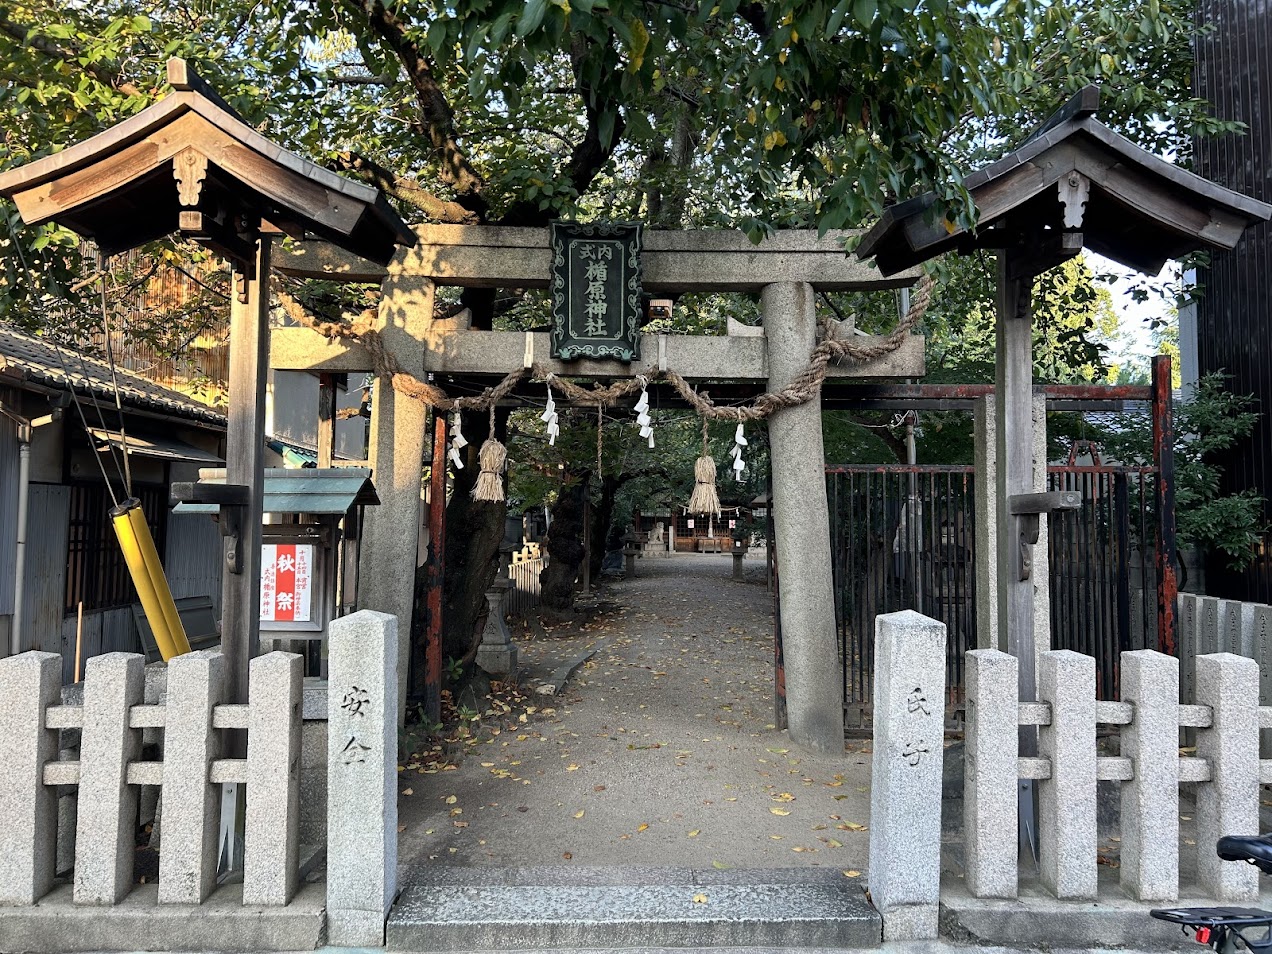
[1228, 930]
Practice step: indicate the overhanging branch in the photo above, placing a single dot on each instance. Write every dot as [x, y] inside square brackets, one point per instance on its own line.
[68, 55]
[407, 190]
[439, 118]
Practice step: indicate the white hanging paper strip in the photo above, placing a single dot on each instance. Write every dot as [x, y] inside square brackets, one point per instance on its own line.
[739, 442]
[458, 441]
[550, 418]
[643, 419]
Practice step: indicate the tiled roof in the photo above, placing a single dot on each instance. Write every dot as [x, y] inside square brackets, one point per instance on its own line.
[28, 358]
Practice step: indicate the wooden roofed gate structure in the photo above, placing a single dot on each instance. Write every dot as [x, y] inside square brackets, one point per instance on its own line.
[189, 164]
[1073, 184]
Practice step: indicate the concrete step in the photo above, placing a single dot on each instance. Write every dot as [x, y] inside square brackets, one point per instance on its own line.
[551, 908]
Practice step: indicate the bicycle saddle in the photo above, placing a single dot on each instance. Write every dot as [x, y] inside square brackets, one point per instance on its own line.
[1255, 849]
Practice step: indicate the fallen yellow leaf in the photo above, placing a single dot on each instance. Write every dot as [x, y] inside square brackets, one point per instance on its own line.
[642, 827]
[780, 811]
[783, 797]
[579, 813]
[451, 799]
[852, 874]
[571, 768]
[408, 791]
[695, 833]
[699, 899]
[720, 865]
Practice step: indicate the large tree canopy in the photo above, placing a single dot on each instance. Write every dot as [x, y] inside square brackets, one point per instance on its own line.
[816, 112]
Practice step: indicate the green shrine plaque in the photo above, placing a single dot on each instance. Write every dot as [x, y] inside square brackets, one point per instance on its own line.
[596, 290]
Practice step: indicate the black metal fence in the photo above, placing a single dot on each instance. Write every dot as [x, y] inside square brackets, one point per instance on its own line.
[1103, 579]
[902, 537]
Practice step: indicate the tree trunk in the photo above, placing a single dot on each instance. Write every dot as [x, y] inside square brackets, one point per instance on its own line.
[564, 546]
[474, 531]
[602, 515]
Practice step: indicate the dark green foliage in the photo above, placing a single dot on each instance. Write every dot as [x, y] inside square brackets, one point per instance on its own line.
[1211, 421]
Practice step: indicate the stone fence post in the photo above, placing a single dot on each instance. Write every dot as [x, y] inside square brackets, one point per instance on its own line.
[271, 854]
[1150, 798]
[1229, 803]
[29, 683]
[191, 801]
[991, 817]
[361, 778]
[107, 817]
[1066, 800]
[905, 796]
[1186, 631]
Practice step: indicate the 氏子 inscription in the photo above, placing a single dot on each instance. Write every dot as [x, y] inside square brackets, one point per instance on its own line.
[913, 752]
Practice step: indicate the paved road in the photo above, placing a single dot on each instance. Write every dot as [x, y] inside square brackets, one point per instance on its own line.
[661, 751]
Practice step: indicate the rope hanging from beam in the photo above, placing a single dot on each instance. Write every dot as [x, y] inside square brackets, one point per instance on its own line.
[805, 386]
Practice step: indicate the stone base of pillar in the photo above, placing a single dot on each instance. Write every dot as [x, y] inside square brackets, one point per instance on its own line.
[497, 654]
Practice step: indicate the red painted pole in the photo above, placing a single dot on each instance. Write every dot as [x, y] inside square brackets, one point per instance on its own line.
[436, 564]
[1164, 498]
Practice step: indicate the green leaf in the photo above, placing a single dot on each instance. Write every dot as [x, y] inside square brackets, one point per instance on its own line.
[863, 11]
[531, 17]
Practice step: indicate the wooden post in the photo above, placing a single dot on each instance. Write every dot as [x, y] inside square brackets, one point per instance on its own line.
[587, 545]
[436, 554]
[1164, 504]
[244, 463]
[1014, 436]
[326, 419]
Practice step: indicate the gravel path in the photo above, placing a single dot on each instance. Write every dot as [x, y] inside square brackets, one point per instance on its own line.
[660, 751]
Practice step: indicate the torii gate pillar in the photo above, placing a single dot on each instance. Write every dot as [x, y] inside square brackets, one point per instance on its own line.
[399, 427]
[801, 522]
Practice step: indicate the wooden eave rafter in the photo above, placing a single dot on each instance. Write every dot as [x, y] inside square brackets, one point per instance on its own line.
[189, 163]
[1140, 210]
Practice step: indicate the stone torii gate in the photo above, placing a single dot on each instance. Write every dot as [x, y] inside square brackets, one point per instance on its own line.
[1074, 183]
[787, 271]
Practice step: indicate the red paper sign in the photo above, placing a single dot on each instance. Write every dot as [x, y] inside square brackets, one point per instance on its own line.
[285, 582]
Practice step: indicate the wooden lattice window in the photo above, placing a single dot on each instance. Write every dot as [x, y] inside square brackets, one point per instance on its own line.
[95, 568]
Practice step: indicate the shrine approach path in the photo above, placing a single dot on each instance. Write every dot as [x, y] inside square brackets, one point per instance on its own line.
[660, 750]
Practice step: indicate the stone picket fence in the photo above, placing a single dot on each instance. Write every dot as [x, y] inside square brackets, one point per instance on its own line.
[1145, 729]
[1226, 768]
[1210, 625]
[110, 773]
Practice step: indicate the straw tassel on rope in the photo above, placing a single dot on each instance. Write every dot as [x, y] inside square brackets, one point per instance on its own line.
[493, 455]
[705, 499]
